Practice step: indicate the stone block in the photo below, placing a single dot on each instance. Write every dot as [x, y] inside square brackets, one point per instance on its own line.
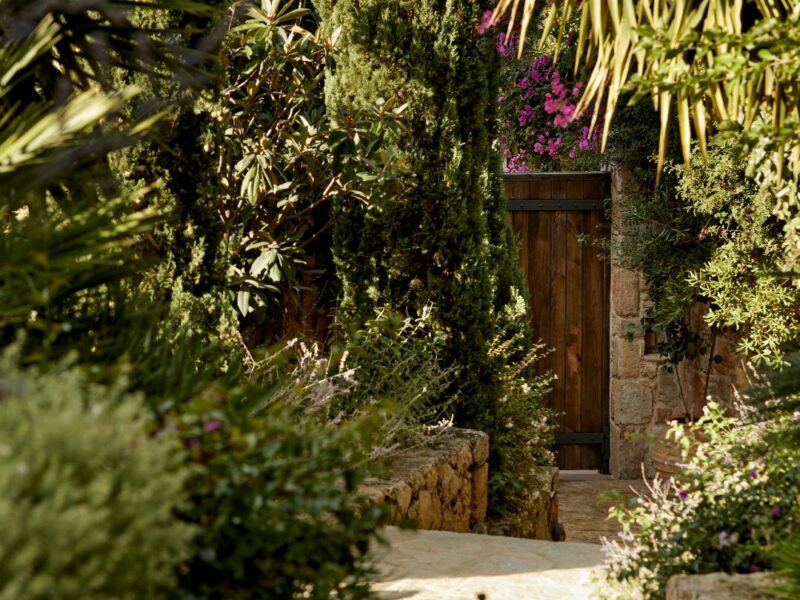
[664, 413]
[668, 392]
[480, 448]
[627, 358]
[625, 292]
[628, 448]
[449, 483]
[429, 511]
[648, 367]
[720, 586]
[402, 497]
[631, 402]
[479, 500]
[621, 327]
[462, 459]
[540, 511]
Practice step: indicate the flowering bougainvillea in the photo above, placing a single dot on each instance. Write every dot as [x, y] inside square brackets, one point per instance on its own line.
[538, 102]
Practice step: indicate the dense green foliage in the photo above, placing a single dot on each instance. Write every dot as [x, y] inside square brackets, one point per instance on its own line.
[249, 171]
[386, 370]
[524, 433]
[439, 236]
[87, 498]
[733, 501]
[88, 271]
[274, 497]
[708, 235]
[66, 233]
[741, 278]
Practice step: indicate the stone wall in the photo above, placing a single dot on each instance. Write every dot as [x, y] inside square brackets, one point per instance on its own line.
[719, 586]
[643, 397]
[541, 515]
[444, 487]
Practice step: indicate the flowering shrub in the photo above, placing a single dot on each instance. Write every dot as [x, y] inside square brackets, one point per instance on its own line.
[274, 497]
[732, 503]
[538, 104]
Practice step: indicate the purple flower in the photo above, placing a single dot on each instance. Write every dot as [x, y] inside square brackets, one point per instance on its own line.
[559, 89]
[561, 120]
[726, 539]
[683, 494]
[505, 46]
[213, 425]
[753, 473]
[775, 512]
[755, 568]
[193, 441]
[540, 68]
[552, 147]
[486, 21]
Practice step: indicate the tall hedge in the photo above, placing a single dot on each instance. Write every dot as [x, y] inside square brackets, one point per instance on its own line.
[439, 235]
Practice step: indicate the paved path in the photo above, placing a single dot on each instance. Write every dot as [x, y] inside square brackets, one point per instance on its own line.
[438, 565]
[583, 503]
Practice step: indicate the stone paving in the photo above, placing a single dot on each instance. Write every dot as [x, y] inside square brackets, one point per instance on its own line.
[439, 565]
[583, 503]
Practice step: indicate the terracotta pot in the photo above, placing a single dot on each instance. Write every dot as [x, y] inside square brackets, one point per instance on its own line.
[665, 454]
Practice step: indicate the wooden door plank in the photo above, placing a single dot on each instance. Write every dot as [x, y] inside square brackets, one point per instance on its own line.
[606, 343]
[540, 233]
[574, 188]
[574, 325]
[593, 326]
[559, 188]
[518, 190]
[558, 274]
[520, 220]
[541, 188]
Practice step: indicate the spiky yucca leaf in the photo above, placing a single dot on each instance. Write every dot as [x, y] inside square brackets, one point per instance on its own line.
[738, 61]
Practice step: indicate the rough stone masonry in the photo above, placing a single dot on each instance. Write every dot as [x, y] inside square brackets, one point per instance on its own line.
[444, 487]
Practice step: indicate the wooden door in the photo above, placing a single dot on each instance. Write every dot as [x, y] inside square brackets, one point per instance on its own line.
[569, 294]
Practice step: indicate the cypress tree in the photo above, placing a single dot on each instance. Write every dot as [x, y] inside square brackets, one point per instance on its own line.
[439, 235]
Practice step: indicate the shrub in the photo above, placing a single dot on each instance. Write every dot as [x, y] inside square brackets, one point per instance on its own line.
[87, 498]
[708, 235]
[438, 236]
[388, 369]
[525, 429]
[274, 497]
[250, 172]
[733, 502]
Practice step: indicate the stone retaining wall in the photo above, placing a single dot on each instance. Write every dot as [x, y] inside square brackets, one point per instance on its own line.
[444, 487]
[541, 516]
